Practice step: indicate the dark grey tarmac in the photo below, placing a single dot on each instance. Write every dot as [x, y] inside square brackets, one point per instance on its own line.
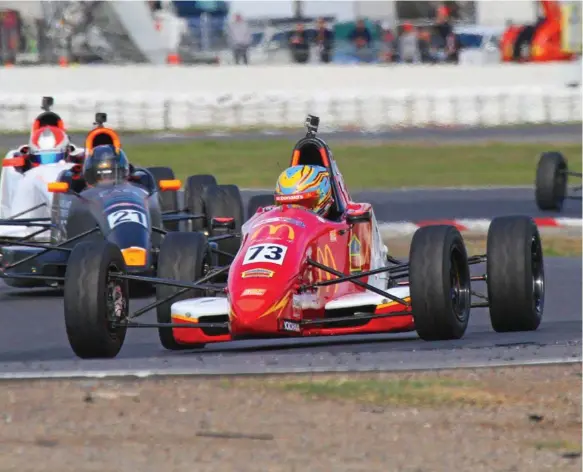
[448, 204]
[33, 342]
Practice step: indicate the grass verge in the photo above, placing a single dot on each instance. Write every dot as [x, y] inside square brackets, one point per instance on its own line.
[257, 163]
[553, 245]
[409, 392]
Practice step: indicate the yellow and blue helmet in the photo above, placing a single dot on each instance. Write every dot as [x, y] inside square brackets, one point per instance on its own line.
[307, 186]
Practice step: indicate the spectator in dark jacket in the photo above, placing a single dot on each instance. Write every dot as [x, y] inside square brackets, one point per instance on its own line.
[324, 40]
[361, 36]
[299, 45]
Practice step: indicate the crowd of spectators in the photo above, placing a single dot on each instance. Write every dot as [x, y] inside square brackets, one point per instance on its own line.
[405, 43]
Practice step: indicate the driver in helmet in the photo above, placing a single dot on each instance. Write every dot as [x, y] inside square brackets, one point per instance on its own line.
[48, 145]
[307, 186]
[106, 164]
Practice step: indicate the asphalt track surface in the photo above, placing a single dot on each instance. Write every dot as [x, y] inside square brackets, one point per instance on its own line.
[33, 341]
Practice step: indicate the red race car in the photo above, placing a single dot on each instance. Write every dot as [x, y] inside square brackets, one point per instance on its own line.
[299, 274]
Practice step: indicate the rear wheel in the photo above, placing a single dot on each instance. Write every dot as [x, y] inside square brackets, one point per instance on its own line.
[93, 301]
[168, 200]
[440, 283]
[258, 201]
[551, 181]
[515, 274]
[183, 258]
[193, 198]
[224, 201]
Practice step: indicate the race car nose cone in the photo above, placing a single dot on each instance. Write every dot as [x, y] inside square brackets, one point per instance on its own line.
[135, 256]
[257, 314]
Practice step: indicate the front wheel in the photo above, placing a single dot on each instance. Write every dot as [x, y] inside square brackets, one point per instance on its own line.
[183, 257]
[439, 276]
[94, 301]
[515, 274]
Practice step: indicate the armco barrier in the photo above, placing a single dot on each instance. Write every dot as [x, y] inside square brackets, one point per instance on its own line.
[361, 109]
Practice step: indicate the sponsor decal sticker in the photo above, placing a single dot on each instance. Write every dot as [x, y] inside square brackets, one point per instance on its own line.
[325, 257]
[291, 326]
[265, 253]
[259, 273]
[127, 216]
[355, 254]
[281, 219]
[333, 236]
[275, 232]
[253, 292]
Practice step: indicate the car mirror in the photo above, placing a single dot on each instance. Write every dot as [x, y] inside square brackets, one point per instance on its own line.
[13, 162]
[354, 218]
[58, 187]
[169, 185]
[226, 223]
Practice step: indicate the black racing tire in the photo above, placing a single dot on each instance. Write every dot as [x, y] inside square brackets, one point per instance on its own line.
[551, 181]
[79, 221]
[515, 274]
[224, 201]
[439, 276]
[168, 200]
[182, 257]
[193, 198]
[258, 201]
[88, 300]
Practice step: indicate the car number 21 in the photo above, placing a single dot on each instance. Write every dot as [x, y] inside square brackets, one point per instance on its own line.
[274, 253]
[126, 216]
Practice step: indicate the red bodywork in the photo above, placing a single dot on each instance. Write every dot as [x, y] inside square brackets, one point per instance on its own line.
[545, 44]
[273, 263]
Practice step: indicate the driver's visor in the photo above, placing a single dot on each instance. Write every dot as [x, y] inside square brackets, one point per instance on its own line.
[47, 157]
[108, 175]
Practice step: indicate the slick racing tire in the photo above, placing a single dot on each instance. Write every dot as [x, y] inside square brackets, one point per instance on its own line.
[258, 201]
[193, 198]
[440, 283]
[168, 200]
[93, 300]
[515, 274]
[551, 181]
[183, 257]
[224, 201]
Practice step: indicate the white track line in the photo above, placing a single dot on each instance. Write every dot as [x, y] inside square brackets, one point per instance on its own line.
[272, 370]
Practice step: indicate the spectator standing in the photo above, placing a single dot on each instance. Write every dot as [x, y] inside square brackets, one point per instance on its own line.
[409, 45]
[452, 49]
[361, 40]
[299, 45]
[388, 40]
[240, 39]
[442, 21]
[360, 36]
[324, 40]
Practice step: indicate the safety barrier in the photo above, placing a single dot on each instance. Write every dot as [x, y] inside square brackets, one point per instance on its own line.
[339, 110]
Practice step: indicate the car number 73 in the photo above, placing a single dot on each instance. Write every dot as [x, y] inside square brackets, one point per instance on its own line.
[273, 253]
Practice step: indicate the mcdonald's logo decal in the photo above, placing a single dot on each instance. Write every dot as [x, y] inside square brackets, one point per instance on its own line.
[273, 230]
[326, 258]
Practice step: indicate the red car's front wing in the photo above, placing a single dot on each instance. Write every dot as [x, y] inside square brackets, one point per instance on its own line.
[391, 324]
